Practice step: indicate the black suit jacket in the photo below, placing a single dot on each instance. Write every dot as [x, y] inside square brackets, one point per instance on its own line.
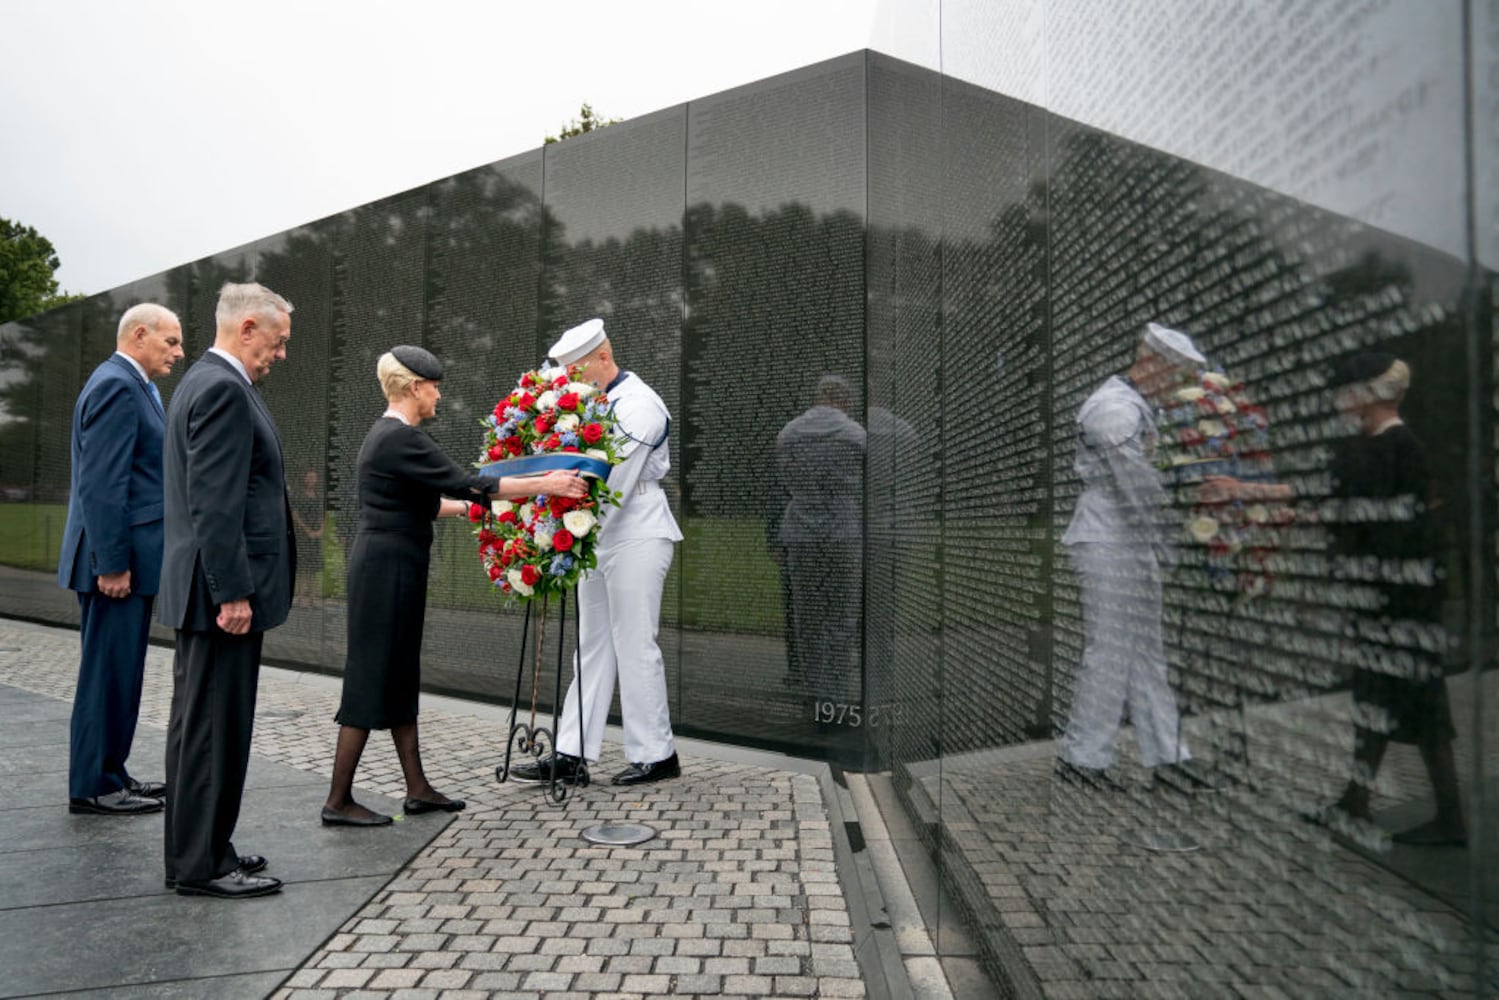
[228, 516]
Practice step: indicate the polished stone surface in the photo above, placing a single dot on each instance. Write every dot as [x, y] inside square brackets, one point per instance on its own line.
[63, 871]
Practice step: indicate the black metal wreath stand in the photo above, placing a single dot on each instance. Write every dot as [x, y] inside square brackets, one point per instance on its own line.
[528, 737]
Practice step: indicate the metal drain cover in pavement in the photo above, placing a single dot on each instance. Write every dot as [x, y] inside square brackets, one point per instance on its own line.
[619, 834]
[1160, 840]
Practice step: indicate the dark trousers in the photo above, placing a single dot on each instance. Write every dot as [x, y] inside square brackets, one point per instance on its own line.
[214, 677]
[107, 701]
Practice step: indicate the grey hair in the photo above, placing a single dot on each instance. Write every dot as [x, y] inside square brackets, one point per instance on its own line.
[1390, 386]
[395, 378]
[251, 299]
[147, 314]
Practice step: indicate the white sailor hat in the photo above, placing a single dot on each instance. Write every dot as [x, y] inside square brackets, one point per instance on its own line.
[1172, 345]
[577, 343]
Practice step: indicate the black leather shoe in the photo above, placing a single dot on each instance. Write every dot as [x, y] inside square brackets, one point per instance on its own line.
[147, 789]
[416, 806]
[1087, 777]
[121, 803]
[248, 863]
[641, 774]
[236, 885]
[332, 817]
[567, 768]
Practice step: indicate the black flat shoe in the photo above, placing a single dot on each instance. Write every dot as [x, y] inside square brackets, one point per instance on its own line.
[1094, 778]
[644, 774]
[415, 806]
[235, 885]
[121, 803]
[248, 863]
[148, 789]
[1432, 834]
[334, 818]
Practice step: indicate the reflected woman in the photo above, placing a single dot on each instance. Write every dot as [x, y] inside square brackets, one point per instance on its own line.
[404, 483]
[1383, 476]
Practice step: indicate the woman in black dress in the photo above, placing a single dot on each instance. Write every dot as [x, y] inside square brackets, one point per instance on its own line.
[404, 481]
[1386, 525]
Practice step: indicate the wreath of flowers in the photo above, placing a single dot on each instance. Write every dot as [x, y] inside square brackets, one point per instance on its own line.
[537, 546]
[1211, 428]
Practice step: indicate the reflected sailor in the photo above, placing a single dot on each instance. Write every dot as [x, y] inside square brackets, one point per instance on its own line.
[1118, 541]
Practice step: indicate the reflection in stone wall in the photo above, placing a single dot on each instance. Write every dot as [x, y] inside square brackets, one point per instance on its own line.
[885, 307]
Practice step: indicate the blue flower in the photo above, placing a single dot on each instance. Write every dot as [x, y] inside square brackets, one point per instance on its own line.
[569, 438]
[561, 564]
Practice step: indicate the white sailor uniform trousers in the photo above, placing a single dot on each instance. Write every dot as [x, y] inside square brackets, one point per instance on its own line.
[1117, 546]
[619, 602]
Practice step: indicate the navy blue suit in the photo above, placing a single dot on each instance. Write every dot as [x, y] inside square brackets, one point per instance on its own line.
[114, 524]
[229, 537]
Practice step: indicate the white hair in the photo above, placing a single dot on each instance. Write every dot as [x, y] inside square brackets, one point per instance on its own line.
[1390, 385]
[395, 378]
[251, 299]
[147, 314]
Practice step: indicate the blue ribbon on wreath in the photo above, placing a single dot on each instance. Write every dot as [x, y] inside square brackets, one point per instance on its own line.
[535, 465]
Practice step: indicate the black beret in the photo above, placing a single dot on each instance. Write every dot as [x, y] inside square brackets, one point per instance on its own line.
[421, 361]
[1361, 368]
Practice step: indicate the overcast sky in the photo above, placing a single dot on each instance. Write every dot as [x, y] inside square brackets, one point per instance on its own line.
[140, 135]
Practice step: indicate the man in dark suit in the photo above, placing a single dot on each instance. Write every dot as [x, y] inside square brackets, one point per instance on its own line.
[226, 578]
[111, 556]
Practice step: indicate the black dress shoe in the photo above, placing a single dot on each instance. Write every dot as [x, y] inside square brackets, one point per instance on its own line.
[1095, 778]
[236, 885]
[332, 817]
[147, 789]
[415, 806]
[641, 774]
[248, 863]
[566, 765]
[121, 803]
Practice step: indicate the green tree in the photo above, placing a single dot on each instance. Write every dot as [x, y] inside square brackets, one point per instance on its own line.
[587, 121]
[27, 265]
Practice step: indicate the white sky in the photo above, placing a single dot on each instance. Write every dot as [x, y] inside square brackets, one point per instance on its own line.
[140, 135]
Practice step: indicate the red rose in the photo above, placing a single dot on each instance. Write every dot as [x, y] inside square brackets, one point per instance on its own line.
[592, 433]
[542, 424]
[567, 401]
[508, 517]
[529, 575]
[487, 537]
[499, 409]
[571, 447]
[554, 442]
[562, 540]
[525, 401]
[475, 513]
[496, 452]
[527, 381]
[513, 445]
[559, 381]
[494, 571]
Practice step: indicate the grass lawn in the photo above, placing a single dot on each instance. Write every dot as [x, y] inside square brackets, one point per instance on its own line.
[728, 581]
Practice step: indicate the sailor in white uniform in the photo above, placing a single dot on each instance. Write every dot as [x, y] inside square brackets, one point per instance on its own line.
[619, 602]
[1119, 540]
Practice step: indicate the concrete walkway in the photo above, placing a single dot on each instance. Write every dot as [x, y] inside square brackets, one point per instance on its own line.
[750, 889]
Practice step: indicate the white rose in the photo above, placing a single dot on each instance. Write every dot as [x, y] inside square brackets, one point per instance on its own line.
[517, 584]
[1216, 379]
[579, 522]
[543, 540]
[1257, 514]
[500, 506]
[1224, 405]
[1202, 529]
[568, 422]
[548, 401]
[552, 374]
[1190, 394]
[1212, 428]
[583, 389]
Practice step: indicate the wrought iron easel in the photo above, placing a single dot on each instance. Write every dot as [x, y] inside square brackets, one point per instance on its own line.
[528, 737]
